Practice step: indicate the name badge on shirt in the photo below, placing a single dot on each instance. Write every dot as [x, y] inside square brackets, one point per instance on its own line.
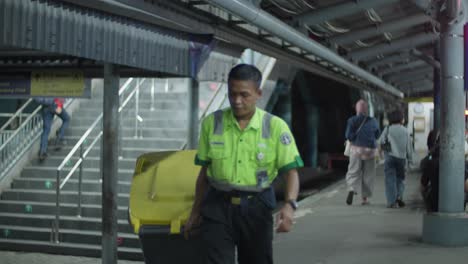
[262, 179]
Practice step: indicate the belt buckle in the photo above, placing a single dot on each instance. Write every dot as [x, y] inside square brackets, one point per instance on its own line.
[236, 200]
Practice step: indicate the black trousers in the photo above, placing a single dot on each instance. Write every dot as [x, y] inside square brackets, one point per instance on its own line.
[248, 225]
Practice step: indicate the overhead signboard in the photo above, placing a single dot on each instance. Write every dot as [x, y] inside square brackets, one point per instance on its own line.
[15, 85]
[45, 83]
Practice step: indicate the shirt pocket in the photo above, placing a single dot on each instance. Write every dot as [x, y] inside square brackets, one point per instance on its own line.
[219, 157]
[262, 160]
[264, 164]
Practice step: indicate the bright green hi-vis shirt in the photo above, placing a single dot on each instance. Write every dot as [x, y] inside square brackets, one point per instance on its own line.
[249, 159]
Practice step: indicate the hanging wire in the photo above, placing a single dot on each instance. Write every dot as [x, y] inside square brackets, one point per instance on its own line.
[388, 36]
[335, 29]
[362, 44]
[373, 16]
[298, 5]
[435, 29]
[306, 3]
[313, 31]
[283, 8]
[322, 28]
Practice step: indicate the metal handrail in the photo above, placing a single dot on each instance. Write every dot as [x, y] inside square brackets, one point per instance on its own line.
[13, 149]
[211, 101]
[79, 164]
[20, 140]
[19, 113]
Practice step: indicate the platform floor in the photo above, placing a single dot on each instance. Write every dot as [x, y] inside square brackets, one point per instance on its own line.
[327, 231]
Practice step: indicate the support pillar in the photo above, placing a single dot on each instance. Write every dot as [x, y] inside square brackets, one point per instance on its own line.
[192, 115]
[449, 226]
[110, 162]
[437, 88]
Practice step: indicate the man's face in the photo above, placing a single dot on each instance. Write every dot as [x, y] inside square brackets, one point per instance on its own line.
[243, 96]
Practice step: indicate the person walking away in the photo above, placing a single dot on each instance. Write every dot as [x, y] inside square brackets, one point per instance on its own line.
[397, 156]
[50, 108]
[362, 131]
[241, 150]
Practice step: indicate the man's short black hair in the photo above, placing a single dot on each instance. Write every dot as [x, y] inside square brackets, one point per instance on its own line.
[395, 117]
[246, 72]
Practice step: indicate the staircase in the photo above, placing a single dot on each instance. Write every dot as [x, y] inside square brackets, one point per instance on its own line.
[27, 209]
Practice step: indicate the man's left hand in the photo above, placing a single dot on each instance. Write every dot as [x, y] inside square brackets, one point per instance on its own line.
[284, 219]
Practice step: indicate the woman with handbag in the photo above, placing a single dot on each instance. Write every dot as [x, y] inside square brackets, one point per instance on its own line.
[362, 131]
[396, 144]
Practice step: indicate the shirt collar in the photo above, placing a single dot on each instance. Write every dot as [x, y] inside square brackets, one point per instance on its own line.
[254, 121]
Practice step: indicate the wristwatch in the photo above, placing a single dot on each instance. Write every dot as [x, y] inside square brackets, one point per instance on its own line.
[293, 204]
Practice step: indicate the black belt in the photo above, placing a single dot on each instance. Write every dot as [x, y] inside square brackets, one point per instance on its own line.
[235, 197]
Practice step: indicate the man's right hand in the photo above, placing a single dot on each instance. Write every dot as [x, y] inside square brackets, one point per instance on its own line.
[58, 110]
[192, 223]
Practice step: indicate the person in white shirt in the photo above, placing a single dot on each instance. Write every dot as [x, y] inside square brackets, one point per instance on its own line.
[397, 155]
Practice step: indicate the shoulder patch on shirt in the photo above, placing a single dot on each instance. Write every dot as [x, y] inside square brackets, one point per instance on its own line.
[285, 138]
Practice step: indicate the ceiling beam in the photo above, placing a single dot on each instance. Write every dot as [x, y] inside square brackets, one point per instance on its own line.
[428, 59]
[273, 25]
[423, 87]
[414, 79]
[378, 29]
[340, 10]
[396, 77]
[403, 43]
[401, 67]
[399, 57]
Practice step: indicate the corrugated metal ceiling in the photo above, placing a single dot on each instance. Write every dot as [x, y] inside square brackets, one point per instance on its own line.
[136, 37]
[61, 28]
[383, 14]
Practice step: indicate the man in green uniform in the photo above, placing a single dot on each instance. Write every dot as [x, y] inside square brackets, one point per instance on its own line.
[241, 150]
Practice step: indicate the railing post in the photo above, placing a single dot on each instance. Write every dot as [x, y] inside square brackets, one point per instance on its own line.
[152, 94]
[80, 180]
[56, 226]
[120, 140]
[137, 107]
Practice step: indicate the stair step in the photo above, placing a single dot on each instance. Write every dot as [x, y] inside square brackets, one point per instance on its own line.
[66, 222]
[87, 210]
[88, 173]
[127, 152]
[130, 142]
[27, 210]
[129, 122]
[177, 114]
[160, 104]
[63, 248]
[65, 196]
[146, 92]
[146, 132]
[71, 185]
[89, 162]
[68, 235]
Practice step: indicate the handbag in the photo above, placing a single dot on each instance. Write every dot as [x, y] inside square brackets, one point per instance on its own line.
[386, 146]
[347, 150]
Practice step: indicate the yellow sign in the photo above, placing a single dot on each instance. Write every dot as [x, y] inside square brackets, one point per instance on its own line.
[419, 99]
[57, 83]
